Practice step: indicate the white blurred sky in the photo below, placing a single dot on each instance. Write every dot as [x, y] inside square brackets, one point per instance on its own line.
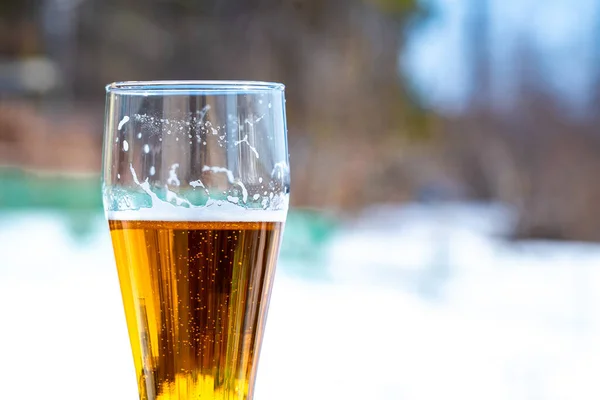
[561, 32]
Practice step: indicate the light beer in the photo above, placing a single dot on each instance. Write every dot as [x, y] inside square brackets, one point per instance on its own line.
[195, 296]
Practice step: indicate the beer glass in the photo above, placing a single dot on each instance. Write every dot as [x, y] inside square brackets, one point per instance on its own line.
[195, 190]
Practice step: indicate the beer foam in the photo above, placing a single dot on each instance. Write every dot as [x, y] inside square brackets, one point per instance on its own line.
[123, 122]
[245, 140]
[178, 209]
[219, 169]
[225, 212]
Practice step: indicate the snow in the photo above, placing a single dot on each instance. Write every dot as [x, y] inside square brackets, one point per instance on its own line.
[417, 303]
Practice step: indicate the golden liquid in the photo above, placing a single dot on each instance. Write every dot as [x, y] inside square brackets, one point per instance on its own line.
[195, 297]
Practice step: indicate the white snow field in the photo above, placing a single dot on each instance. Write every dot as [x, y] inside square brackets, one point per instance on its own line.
[415, 303]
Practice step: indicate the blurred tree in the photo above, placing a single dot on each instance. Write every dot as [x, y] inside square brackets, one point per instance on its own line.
[19, 34]
[401, 8]
[16, 8]
[349, 108]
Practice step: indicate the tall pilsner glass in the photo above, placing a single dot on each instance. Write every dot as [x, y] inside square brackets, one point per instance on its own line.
[195, 190]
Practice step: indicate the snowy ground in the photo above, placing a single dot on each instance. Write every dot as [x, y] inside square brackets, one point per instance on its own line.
[415, 303]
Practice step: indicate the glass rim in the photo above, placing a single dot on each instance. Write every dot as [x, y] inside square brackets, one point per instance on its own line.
[192, 87]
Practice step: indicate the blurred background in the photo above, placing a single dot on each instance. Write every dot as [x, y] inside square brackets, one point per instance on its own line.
[443, 241]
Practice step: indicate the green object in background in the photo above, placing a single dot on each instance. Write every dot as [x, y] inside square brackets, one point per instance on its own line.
[305, 242]
[76, 198]
[22, 190]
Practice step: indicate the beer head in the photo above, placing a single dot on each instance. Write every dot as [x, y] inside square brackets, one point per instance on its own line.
[222, 213]
[176, 208]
